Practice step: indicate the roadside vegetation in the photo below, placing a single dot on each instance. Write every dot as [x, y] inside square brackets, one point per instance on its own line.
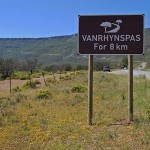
[54, 115]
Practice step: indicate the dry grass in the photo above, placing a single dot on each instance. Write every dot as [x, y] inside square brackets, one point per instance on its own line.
[60, 122]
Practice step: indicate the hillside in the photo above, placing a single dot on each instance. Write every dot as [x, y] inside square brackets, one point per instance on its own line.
[46, 50]
[57, 50]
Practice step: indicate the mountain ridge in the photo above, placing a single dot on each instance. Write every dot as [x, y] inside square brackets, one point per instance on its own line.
[58, 49]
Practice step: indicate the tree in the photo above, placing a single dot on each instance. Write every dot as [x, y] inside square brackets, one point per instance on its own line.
[67, 67]
[118, 21]
[52, 68]
[7, 67]
[81, 67]
[124, 62]
[98, 66]
[105, 25]
[30, 65]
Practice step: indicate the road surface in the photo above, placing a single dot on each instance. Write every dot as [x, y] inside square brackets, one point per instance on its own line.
[136, 73]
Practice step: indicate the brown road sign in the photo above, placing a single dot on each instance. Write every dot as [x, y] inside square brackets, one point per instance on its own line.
[113, 34]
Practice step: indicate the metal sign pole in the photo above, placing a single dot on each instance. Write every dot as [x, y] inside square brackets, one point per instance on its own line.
[130, 87]
[90, 90]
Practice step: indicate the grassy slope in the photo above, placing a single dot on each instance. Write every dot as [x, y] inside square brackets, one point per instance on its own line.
[60, 122]
[61, 49]
[46, 50]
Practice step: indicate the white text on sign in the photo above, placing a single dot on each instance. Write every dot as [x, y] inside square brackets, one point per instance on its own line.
[112, 46]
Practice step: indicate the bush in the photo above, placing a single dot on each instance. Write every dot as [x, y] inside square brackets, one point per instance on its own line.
[45, 72]
[36, 75]
[61, 72]
[78, 89]
[24, 78]
[43, 94]
[21, 75]
[16, 89]
[4, 103]
[30, 84]
[51, 80]
[65, 77]
[80, 72]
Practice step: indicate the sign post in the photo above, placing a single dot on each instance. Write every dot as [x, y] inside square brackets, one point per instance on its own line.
[111, 35]
[130, 87]
[90, 89]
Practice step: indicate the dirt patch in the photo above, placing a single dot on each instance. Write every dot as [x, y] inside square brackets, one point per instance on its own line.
[5, 84]
[120, 123]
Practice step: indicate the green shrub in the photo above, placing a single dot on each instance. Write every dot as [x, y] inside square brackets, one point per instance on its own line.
[36, 75]
[16, 89]
[46, 72]
[80, 72]
[30, 84]
[43, 94]
[24, 78]
[4, 103]
[21, 75]
[1, 78]
[50, 80]
[72, 73]
[78, 89]
[67, 77]
[61, 72]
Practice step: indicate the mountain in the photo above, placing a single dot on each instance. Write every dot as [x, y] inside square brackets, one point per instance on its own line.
[58, 50]
[46, 50]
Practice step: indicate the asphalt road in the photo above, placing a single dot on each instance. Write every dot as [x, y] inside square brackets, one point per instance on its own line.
[136, 73]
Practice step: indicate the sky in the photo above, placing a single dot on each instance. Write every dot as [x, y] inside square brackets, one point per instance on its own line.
[46, 18]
